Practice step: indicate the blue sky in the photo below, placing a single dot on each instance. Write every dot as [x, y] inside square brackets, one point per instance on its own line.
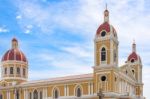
[57, 35]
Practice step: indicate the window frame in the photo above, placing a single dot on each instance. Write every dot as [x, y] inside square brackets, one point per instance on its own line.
[11, 70]
[35, 94]
[55, 93]
[24, 72]
[103, 54]
[103, 33]
[18, 70]
[78, 92]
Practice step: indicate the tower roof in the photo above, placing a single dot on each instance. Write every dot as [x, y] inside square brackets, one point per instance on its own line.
[134, 56]
[14, 54]
[105, 26]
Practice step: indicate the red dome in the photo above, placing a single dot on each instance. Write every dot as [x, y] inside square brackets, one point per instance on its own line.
[133, 55]
[107, 27]
[14, 54]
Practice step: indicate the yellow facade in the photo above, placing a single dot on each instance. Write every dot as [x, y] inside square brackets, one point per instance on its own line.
[108, 80]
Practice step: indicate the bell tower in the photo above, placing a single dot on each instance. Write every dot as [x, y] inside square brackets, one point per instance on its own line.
[106, 44]
[105, 55]
[135, 63]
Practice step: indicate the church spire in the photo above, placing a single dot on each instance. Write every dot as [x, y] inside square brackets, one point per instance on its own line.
[133, 46]
[106, 15]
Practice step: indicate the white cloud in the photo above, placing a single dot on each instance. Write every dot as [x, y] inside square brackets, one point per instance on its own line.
[3, 29]
[28, 29]
[18, 17]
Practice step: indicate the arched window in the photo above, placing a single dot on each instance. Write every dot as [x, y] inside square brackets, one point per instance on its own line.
[78, 92]
[103, 54]
[115, 56]
[1, 97]
[41, 95]
[11, 70]
[18, 70]
[24, 72]
[6, 70]
[56, 94]
[35, 94]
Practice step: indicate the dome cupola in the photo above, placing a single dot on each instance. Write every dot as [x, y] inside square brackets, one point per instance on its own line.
[133, 56]
[14, 54]
[14, 64]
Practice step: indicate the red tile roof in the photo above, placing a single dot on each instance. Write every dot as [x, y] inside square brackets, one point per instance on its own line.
[133, 55]
[105, 26]
[14, 54]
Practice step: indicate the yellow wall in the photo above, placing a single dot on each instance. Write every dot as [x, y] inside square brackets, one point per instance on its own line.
[99, 45]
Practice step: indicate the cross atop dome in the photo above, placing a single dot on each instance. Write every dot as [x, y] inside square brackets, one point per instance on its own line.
[14, 43]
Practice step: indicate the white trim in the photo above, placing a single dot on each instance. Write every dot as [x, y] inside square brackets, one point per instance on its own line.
[17, 78]
[97, 39]
[67, 90]
[14, 62]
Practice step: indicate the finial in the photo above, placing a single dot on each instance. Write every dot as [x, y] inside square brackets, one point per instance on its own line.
[14, 43]
[106, 15]
[134, 46]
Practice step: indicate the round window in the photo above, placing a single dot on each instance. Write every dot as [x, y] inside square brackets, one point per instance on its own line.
[115, 79]
[103, 78]
[103, 33]
[133, 71]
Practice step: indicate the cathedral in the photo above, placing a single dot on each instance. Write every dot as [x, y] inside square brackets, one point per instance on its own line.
[107, 81]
